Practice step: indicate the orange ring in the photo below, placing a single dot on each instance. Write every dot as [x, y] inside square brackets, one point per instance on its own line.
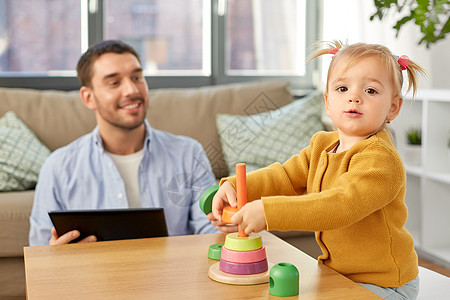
[227, 213]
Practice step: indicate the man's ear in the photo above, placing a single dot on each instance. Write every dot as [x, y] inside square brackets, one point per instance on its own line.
[87, 96]
[396, 105]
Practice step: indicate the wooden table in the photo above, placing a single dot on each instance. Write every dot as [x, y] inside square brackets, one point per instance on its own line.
[166, 268]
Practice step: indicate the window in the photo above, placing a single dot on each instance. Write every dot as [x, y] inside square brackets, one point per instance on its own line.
[181, 42]
[39, 36]
[265, 37]
[169, 35]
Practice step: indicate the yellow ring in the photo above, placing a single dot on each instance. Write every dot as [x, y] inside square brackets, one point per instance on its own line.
[236, 243]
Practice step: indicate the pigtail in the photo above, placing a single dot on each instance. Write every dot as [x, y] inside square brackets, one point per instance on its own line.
[330, 48]
[413, 70]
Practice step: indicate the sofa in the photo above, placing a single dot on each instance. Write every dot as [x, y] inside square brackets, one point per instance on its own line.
[56, 118]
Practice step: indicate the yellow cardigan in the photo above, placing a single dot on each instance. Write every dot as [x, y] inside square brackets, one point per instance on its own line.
[353, 200]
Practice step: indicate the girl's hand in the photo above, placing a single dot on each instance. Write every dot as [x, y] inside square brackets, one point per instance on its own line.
[225, 195]
[221, 226]
[251, 217]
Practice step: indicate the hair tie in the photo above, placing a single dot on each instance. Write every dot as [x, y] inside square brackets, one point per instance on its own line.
[333, 51]
[403, 61]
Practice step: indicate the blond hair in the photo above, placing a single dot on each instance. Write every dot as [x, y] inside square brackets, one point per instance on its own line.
[355, 52]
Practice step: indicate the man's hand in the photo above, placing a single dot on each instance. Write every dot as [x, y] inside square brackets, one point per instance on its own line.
[68, 237]
[250, 217]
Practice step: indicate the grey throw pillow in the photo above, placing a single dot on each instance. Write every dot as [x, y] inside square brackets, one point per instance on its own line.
[274, 136]
[21, 154]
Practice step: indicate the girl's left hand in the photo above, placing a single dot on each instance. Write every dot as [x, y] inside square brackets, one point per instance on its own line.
[250, 217]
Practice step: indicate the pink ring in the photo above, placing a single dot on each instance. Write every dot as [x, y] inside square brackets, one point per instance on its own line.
[243, 256]
[243, 269]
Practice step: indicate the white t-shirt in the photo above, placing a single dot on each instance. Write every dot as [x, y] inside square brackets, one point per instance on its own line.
[128, 166]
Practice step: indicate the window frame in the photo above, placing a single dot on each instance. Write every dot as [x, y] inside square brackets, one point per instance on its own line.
[218, 72]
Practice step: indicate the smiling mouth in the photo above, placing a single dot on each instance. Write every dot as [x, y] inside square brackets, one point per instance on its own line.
[131, 106]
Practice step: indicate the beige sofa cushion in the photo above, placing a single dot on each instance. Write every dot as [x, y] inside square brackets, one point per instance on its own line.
[56, 117]
[192, 112]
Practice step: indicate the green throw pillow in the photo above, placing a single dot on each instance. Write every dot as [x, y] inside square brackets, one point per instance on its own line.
[274, 136]
[21, 154]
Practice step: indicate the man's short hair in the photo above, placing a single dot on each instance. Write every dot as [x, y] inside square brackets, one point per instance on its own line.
[84, 66]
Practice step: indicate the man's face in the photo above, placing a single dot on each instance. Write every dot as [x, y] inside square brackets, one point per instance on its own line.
[119, 92]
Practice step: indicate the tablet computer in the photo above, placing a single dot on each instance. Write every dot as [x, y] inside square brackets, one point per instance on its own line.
[111, 224]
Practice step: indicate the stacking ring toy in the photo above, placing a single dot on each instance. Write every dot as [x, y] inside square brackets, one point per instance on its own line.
[234, 242]
[215, 251]
[243, 269]
[228, 212]
[205, 201]
[243, 256]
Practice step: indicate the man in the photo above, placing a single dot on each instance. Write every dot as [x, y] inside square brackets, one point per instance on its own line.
[123, 162]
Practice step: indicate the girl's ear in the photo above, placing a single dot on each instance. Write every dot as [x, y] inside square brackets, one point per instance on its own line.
[396, 105]
[325, 98]
[87, 97]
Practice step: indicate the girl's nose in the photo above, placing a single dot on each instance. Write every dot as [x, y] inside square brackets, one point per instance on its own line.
[353, 99]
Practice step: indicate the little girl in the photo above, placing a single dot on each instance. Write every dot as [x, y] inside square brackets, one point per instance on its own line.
[349, 185]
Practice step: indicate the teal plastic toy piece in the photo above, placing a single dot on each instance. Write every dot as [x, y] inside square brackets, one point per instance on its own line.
[284, 280]
[207, 197]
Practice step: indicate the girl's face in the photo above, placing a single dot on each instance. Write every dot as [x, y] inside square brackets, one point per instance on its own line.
[360, 99]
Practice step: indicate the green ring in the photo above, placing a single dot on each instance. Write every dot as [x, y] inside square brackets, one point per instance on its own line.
[236, 243]
[215, 251]
[205, 201]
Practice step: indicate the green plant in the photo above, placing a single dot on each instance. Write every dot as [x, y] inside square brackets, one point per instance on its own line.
[414, 136]
[432, 16]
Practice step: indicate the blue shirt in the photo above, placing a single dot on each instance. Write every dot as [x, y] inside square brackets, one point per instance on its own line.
[173, 174]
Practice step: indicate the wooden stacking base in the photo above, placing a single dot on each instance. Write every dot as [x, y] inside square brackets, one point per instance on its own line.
[216, 274]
